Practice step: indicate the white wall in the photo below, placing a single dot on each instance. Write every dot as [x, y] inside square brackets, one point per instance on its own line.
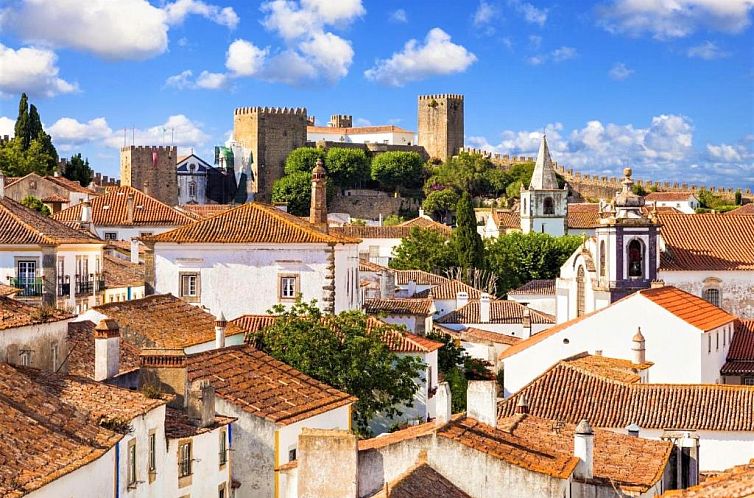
[207, 475]
[545, 304]
[128, 233]
[40, 339]
[386, 137]
[688, 206]
[339, 418]
[385, 246]
[97, 478]
[141, 425]
[737, 287]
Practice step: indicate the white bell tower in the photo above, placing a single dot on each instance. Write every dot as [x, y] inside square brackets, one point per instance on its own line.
[544, 206]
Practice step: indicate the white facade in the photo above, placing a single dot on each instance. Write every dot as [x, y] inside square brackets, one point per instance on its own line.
[545, 304]
[379, 250]
[192, 180]
[687, 205]
[96, 478]
[118, 232]
[736, 288]
[389, 135]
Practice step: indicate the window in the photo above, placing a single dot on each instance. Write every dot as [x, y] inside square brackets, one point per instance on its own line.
[111, 235]
[602, 258]
[54, 356]
[749, 381]
[82, 267]
[61, 267]
[709, 343]
[184, 460]
[24, 357]
[152, 452]
[289, 287]
[548, 206]
[132, 463]
[221, 491]
[146, 234]
[635, 259]
[223, 449]
[580, 291]
[27, 273]
[712, 296]
[292, 454]
[374, 253]
[190, 286]
[192, 189]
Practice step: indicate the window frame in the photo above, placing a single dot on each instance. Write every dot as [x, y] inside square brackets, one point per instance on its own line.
[185, 460]
[110, 236]
[152, 452]
[548, 205]
[642, 259]
[197, 295]
[131, 479]
[223, 454]
[282, 287]
[713, 295]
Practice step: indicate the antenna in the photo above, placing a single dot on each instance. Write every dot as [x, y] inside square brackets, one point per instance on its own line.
[124, 136]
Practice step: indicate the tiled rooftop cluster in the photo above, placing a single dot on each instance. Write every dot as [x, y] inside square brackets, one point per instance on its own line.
[21, 225]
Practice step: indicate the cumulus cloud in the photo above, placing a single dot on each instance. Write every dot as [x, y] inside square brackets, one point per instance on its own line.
[620, 71]
[181, 80]
[211, 81]
[73, 132]
[31, 70]
[437, 56]
[529, 12]
[244, 58]
[330, 54]
[707, 51]
[399, 16]
[177, 11]
[558, 55]
[675, 19]
[7, 126]
[483, 15]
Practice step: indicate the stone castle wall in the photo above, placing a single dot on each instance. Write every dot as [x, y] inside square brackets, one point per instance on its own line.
[370, 204]
[152, 170]
[440, 124]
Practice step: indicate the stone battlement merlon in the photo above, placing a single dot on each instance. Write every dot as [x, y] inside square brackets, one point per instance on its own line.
[151, 148]
[295, 111]
[448, 96]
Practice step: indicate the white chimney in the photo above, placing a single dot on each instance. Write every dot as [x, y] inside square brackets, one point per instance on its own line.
[462, 299]
[2, 185]
[633, 430]
[220, 323]
[106, 349]
[443, 408]
[135, 251]
[484, 308]
[411, 290]
[526, 324]
[201, 403]
[583, 449]
[421, 213]
[522, 405]
[481, 401]
[86, 212]
[639, 348]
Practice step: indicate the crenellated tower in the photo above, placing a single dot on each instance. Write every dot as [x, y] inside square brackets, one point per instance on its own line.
[440, 124]
[152, 170]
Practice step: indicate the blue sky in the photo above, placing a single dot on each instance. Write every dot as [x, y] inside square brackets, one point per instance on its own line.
[666, 86]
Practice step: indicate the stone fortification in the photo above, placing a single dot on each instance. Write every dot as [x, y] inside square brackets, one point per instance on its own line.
[151, 169]
[440, 124]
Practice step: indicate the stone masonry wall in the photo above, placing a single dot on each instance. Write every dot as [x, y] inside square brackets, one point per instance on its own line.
[369, 206]
[440, 124]
[152, 170]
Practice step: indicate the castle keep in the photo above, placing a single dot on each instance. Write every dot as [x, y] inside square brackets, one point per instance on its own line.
[440, 124]
[152, 170]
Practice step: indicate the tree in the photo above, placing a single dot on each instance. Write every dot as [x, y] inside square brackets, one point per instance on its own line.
[424, 249]
[393, 220]
[78, 170]
[22, 131]
[397, 169]
[737, 198]
[303, 160]
[638, 190]
[34, 203]
[347, 167]
[465, 240]
[341, 351]
[472, 173]
[17, 161]
[441, 203]
[295, 189]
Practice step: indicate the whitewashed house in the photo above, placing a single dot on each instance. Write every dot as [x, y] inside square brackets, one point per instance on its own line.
[685, 202]
[413, 313]
[408, 283]
[449, 296]
[340, 129]
[499, 316]
[536, 294]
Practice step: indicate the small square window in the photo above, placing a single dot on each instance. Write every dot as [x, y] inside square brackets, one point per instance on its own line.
[190, 286]
[111, 235]
[289, 287]
[292, 455]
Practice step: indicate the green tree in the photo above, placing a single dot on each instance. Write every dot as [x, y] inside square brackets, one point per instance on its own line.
[340, 350]
[738, 198]
[424, 249]
[639, 190]
[78, 170]
[303, 160]
[17, 161]
[465, 240]
[397, 169]
[347, 167]
[517, 258]
[441, 203]
[449, 355]
[472, 173]
[295, 189]
[22, 129]
[393, 220]
[34, 203]
[35, 122]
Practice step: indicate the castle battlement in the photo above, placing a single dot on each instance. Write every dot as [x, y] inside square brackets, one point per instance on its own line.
[293, 111]
[449, 96]
[149, 148]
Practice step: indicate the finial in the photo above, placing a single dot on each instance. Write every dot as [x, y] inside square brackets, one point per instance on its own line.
[627, 172]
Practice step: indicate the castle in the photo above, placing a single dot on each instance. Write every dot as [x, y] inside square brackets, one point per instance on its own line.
[152, 170]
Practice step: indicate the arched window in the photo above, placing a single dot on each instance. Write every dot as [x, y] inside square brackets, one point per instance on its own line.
[635, 259]
[712, 296]
[549, 206]
[192, 189]
[602, 258]
[580, 291]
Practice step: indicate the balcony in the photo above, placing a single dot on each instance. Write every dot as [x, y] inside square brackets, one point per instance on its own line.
[27, 287]
[87, 285]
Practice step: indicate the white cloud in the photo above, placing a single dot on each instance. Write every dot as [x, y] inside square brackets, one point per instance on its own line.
[359, 122]
[437, 56]
[558, 55]
[484, 14]
[399, 16]
[7, 126]
[181, 80]
[529, 12]
[331, 54]
[289, 67]
[244, 58]
[725, 153]
[536, 60]
[177, 11]
[31, 70]
[707, 51]
[669, 19]
[211, 81]
[72, 132]
[620, 71]
[292, 20]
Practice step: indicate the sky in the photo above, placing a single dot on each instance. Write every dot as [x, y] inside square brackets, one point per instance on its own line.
[663, 86]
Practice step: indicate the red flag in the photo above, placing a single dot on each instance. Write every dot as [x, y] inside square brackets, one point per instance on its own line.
[154, 159]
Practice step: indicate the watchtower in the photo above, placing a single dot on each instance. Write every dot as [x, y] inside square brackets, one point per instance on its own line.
[152, 170]
[340, 121]
[440, 124]
[270, 134]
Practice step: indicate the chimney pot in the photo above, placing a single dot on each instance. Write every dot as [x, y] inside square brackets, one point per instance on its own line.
[86, 212]
[462, 299]
[106, 349]
[135, 251]
[583, 449]
[526, 323]
[220, 324]
[639, 348]
[522, 405]
[201, 403]
[130, 208]
[2, 185]
[484, 308]
[633, 430]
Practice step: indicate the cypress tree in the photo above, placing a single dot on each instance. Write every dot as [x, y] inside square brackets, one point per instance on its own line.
[466, 240]
[22, 123]
[35, 123]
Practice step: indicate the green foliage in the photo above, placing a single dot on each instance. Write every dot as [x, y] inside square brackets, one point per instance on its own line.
[466, 241]
[78, 170]
[295, 189]
[441, 203]
[393, 220]
[472, 173]
[639, 190]
[303, 160]
[449, 356]
[22, 129]
[395, 169]
[709, 202]
[458, 385]
[347, 167]
[425, 250]
[31, 149]
[517, 258]
[514, 190]
[354, 359]
[738, 198]
[34, 203]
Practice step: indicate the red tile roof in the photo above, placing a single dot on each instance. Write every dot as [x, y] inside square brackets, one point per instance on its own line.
[692, 309]
[7, 290]
[427, 223]
[119, 272]
[536, 288]
[111, 209]
[746, 209]
[448, 291]
[80, 359]
[71, 185]
[263, 386]
[53, 198]
[707, 242]
[472, 334]
[202, 211]
[668, 196]
[403, 277]
[14, 314]
[501, 311]
[253, 223]
[421, 481]
[387, 439]
[178, 425]
[368, 266]
[506, 218]
[740, 359]
[21, 225]
[736, 482]
[583, 215]
[386, 232]
[399, 306]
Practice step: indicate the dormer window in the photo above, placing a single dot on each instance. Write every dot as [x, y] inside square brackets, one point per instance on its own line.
[635, 259]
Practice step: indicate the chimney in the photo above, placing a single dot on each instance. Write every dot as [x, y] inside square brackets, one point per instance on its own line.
[583, 449]
[322, 454]
[481, 401]
[86, 212]
[2, 185]
[633, 430]
[201, 403]
[130, 208]
[639, 349]
[220, 323]
[443, 408]
[484, 308]
[135, 251]
[526, 324]
[462, 299]
[165, 370]
[318, 208]
[411, 290]
[421, 213]
[657, 284]
[387, 284]
[522, 405]
[106, 349]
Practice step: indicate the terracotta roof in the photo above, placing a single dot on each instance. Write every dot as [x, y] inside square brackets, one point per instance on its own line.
[449, 289]
[124, 247]
[705, 242]
[386, 232]
[668, 196]
[427, 223]
[7, 290]
[740, 359]
[536, 287]
[81, 355]
[506, 218]
[411, 432]
[111, 209]
[44, 438]
[53, 198]
[501, 311]
[178, 424]
[15, 314]
[119, 272]
[746, 209]
[421, 481]
[692, 309]
[611, 368]
[202, 211]
[368, 266]
[163, 321]
[571, 393]
[263, 386]
[20, 225]
[472, 334]
[399, 306]
[403, 277]
[736, 482]
[583, 215]
[358, 130]
[254, 323]
[252, 223]
[71, 185]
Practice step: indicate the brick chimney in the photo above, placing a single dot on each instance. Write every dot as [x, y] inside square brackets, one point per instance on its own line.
[583, 449]
[318, 208]
[323, 454]
[481, 401]
[220, 324]
[484, 308]
[165, 369]
[201, 403]
[106, 349]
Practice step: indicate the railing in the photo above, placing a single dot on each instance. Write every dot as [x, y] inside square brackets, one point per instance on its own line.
[86, 285]
[64, 286]
[27, 288]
